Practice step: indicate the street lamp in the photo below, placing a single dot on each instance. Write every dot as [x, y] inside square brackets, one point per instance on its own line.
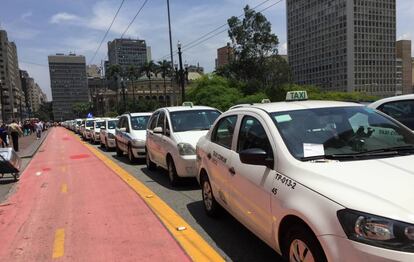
[181, 73]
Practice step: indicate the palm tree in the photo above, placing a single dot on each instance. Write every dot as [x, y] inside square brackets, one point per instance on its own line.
[164, 67]
[133, 74]
[115, 72]
[149, 68]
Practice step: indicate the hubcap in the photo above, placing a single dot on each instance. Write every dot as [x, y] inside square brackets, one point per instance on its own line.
[299, 252]
[207, 195]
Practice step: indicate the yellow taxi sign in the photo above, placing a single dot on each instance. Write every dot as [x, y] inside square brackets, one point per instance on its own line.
[190, 104]
[296, 96]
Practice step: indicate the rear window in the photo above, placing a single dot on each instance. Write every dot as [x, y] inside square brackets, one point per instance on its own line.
[189, 120]
[139, 122]
[112, 124]
[99, 124]
[89, 123]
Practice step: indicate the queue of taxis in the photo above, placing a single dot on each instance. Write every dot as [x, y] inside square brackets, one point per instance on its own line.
[315, 180]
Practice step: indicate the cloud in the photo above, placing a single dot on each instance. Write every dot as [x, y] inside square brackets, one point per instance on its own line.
[283, 49]
[62, 18]
[26, 15]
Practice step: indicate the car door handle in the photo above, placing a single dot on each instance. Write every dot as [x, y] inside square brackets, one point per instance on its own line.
[232, 171]
[209, 156]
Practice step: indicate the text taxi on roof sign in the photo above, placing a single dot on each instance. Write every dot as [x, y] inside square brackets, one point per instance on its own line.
[316, 180]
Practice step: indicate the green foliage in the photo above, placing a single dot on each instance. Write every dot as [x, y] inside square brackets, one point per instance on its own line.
[111, 114]
[142, 105]
[82, 109]
[219, 92]
[45, 112]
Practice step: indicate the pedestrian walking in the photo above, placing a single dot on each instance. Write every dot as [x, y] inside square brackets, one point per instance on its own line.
[39, 129]
[15, 131]
[3, 135]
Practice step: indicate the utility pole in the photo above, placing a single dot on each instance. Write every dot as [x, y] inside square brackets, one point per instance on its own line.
[123, 95]
[181, 73]
[171, 46]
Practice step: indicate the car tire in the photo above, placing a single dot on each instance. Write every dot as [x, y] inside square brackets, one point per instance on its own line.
[106, 145]
[211, 206]
[150, 165]
[131, 157]
[172, 172]
[119, 152]
[300, 241]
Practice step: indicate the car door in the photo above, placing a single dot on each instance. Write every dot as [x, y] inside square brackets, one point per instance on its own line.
[120, 133]
[150, 143]
[158, 141]
[251, 185]
[219, 156]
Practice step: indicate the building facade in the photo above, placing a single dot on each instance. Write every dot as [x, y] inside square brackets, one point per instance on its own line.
[342, 45]
[33, 94]
[224, 54]
[68, 83]
[11, 93]
[127, 52]
[403, 52]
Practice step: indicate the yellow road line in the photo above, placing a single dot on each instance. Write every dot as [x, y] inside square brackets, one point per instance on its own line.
[193, 244]
[64, 188]
[59, 244]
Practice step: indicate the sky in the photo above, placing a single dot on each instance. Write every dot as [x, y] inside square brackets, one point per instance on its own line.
[45, 27]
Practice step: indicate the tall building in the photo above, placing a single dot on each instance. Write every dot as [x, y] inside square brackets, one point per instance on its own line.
[343, 45]
[224, 55]
[412, 67]
[403, 52]
[33, 94]
[11, 93]
[93, 71]
[127, 52]
[68, 83]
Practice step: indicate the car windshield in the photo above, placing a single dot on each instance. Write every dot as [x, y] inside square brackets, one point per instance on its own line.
[340, 131]
[112, 124]
[79, 122]
[99, 124]
[89, 123]
[139, 122]
[188, 120]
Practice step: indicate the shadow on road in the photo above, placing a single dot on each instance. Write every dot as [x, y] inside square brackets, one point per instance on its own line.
[236, 241]
[7, 179]
[160, 176]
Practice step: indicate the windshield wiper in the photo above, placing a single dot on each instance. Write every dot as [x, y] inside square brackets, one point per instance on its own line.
[367, 154]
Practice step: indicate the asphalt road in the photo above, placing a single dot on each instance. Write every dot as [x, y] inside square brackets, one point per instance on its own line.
[230, 238]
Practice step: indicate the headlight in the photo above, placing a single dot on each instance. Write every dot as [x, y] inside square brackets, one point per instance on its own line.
[111, 136]
[138, 143]
[186, 149]
[377, 231]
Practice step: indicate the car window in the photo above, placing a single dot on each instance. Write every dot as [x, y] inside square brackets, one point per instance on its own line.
[153, 121]
[224, 130]
[253, 135]
[99, 124]
[160, 122]
[139, 122]
[112, 124]
[341, 130]
[190, 120]
[120, 122]
[89, 123]
[403, 111]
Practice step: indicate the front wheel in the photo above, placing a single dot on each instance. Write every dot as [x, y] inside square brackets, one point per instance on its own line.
[211, 206]
[303, 246]
[172, 173]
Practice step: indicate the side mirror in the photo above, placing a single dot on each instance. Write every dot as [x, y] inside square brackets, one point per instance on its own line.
[158, 130]
[122, 129]
[257, 157]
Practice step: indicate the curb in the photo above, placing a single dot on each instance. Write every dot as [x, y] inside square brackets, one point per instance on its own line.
[36, 147]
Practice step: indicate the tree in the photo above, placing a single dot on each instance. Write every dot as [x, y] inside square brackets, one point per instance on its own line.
[164, 67]
[45, 112]
[255, 60]
[81, 109]
[115, 73]
[133, 74]
[149, 68]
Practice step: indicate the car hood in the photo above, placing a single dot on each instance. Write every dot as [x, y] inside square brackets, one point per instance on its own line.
[381, 186]
[139, 134]
[190, 137]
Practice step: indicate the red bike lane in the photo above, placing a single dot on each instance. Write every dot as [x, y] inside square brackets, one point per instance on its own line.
[70, 206]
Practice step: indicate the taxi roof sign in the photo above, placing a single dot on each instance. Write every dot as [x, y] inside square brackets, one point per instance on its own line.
[296, 96]
[190, 104]
[266, 101]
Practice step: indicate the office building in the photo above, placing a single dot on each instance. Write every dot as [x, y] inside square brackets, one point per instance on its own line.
[11, 94]
[342, 45]
[127, 52]
[33, 94]
[403, 52]
[93, 71]
[224, 55]
[68, 83]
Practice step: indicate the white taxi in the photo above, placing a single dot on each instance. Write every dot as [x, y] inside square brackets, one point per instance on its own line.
[315, 180]
[107, 134]
[172, 135]
[96, 130]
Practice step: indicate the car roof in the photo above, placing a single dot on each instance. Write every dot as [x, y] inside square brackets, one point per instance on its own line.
[376, 104]
[140, 114]
[295, 105]
[188, 108]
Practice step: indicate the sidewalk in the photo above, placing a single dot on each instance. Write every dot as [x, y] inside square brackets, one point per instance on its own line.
[70, 206]
[28, 145]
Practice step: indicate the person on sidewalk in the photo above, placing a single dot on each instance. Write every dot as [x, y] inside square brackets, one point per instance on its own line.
[39, 129]
[15, 131]
[3, 135]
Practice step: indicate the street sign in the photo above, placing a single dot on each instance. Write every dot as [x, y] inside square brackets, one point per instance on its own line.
[89, 115]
